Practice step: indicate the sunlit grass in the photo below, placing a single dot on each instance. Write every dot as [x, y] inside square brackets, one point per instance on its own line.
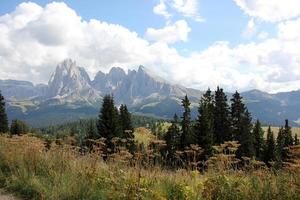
[61, 172]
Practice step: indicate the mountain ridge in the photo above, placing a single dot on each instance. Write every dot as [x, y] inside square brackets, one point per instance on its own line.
[70, 89]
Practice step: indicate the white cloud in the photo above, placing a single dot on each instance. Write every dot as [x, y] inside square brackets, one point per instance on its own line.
[169, 34]
[270, 10]
[188, 8]
[263, 35]
[161, 9]
[250, 29]
[34, 39]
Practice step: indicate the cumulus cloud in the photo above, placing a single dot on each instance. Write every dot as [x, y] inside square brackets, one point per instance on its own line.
[34, 39]
[169, 34]
[250, 29]
[187, 8]
[161, 9]
[270, 10]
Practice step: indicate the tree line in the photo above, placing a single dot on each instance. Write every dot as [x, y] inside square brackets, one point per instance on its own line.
[218, 121]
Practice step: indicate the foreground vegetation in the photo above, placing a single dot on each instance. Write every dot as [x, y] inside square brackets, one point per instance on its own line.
[30, 169]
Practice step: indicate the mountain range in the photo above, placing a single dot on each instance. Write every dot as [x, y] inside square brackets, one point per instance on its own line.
[70, 95]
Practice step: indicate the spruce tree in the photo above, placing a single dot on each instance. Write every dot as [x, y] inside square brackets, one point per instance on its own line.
[237, 112]
[186, 136]
[91, 134]
[3, 116]
[18, 127]
[259, 139]
[205, 123]
[296, 140]
[246, 138]
[269, 147]
[281, 152]
[172, 138]
[125, 118]
[108, 122]
[288, 134]
[221, 117]
[127, 128]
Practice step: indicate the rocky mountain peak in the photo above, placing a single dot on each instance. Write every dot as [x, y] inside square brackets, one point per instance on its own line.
[68, 78]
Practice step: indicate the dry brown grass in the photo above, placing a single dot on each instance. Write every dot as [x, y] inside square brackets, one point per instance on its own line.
[295, 130]
[62, 172]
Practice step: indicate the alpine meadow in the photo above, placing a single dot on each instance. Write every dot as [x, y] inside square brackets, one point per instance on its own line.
[150, 100]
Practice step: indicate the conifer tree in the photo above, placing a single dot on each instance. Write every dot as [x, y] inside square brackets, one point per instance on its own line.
[221, 117]
[125, 118]
[172, 138]
[18, 127]
[281, 152]
[246, 138]
[288, 134]
[127, 128]
[205, 123]
[296, 140]
[91, 134]
[108, 122]
[237, 112]
[186, 136]
[3, 116]
[258, 139]
[269, 147]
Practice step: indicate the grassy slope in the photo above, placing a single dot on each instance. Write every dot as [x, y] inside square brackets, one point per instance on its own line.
[295, 130]
[62, 173]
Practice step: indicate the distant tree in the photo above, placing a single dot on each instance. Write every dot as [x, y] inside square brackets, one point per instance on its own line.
[3, 116]
[127, 128]
[246, 138]
[18, 127]
[269, 147]
[288, 134]
[172, 138]
[108, 122]
[237, 113]
[125, 118]
[296, 140]
[205, 123]
[187, 134]
[221, 117]
[281, 152]
[91, 130]
[258, 139]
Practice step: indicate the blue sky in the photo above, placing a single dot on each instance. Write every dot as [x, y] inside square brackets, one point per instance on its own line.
[237, 44]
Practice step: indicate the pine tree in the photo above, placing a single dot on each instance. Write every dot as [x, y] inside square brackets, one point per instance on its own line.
[172, 138]
[186, 136]
[108, 122]
[125, 118]
[259, 139]
[237, 112]
[18, 127]
[3, 116]
[281, 152]
[269, 147]
[127, 128]
[91, 132]
[288, 134]
[205, 123]
[246, 138]
[221, 117]
[296, 140]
